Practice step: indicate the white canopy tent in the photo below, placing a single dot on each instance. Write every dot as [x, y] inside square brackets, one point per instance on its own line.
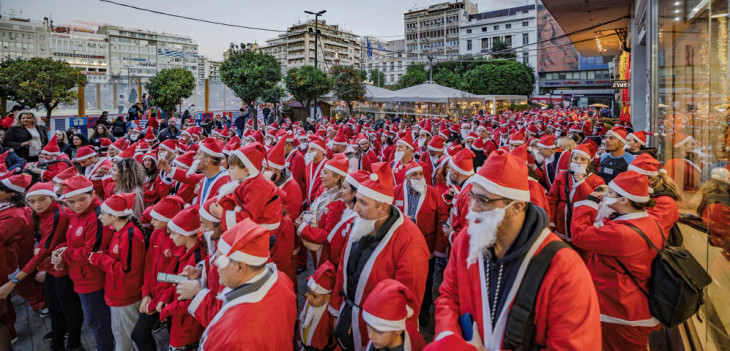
[427, 93]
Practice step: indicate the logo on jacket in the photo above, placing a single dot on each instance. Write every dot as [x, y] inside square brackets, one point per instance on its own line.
[79, 231]
[115, 250]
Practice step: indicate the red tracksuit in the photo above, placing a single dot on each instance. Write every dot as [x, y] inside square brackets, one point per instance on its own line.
[159, 259]
[123, 263]
[53, 226]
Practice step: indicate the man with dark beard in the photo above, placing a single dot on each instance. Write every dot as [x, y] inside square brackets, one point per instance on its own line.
[488, 262]
[383, 244]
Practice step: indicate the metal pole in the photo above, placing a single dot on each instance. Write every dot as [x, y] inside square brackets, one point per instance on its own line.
[82, 101]
[316, 50]
[139, 91]
[207, 94]
[114, 96]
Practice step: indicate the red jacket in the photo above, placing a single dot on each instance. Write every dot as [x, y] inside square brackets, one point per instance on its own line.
[318, 334]
[159, 259]
[53, 226]
[292, 199]
[282, 253]
[558, 199]
[91, 173]
[313, 175]
[256, 198]
[430, 213]
[123, 263]
[295, 165]
[325, 223]
[85, 235]
[184, 329]
[562, 321]
[462, 203]
[56, 168]
[538, 196]
[205, 305]
[665, 211]
[14, 228]
[621, 300]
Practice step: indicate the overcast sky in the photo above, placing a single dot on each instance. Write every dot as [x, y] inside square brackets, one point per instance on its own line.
[380, 18]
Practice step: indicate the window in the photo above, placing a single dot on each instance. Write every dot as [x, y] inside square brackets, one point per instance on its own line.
[484, 29]
[508, 40]
[583, 74]
[525, 57]
[468, 31]
[485, 43]
[525, 38]
[508, 26]
[591, 74]
[392, 78]
[468, 45]
[496, 27]
[525, 23]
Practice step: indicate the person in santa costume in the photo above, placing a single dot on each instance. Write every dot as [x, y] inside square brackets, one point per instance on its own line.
[315, 322]
[207, 160]
[548, 161]
[86, 234]
[461, 169]
[254, 290]
[314, 160]
[636, 142]
[430, 159]
[278, 172]
[615, 160]
[364, 150]
[382, 244]
[185, 331]
[404, 153]
[685, 168]
[570, 187]
[326, 210]
[168, 169]
[94, 168]
[665, 192]
[123, 263]
[387, 151]
[58, 161]
[538, 194]
[488, 261]
[421, 203]
[159, 259]
[294, 159]
[616, 247]
[387, 311]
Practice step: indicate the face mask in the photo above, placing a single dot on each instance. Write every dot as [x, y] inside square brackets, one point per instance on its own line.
[398, 156]
[268, 174]
[558, 133]
[309, 157]
[482, 230]
[604, 211]
[421, 142]
[419, 185]
[578, 168]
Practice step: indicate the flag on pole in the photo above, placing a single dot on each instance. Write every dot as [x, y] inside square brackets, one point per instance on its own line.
[370, 49]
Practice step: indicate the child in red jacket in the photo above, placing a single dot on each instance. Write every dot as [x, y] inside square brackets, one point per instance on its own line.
[185, 331]
[123, 263]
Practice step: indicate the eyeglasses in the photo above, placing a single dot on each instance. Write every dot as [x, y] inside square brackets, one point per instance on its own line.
[482, 200]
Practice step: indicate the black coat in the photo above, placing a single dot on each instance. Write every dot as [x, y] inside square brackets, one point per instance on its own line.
[18, 135]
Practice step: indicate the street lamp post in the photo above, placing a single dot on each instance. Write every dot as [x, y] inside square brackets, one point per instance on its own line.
[316, 42]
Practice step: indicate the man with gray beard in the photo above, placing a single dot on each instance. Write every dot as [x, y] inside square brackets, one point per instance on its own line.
[488, 262]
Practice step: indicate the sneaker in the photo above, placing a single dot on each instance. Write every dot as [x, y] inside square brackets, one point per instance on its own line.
[48, 336]
[44, 312]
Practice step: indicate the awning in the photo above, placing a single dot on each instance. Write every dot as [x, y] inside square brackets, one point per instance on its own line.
[428, 93]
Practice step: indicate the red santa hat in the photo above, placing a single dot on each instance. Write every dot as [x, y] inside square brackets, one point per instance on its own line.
[631, 185]
[471, 136]
[449, 342]
[245, 242]
[619, 133]
[517, 139]
[151, 155]
[205, 211]
[118, 145]
[186, 222]
[407, 140]
[436, 144]
[44, 188]
[340, 138]
[212, 147]
[181, 147]
[575, 128]
[504, 175]
[463, 162]
[165, 209]
[317, 142]
[647, 165]
[76, 185]
[17, 183]
[388, 306]
[276, 156]
[52, 147]
[478, 145]
[65, 174]
[379, 185]
[681, 139]
[357, 177]
[169, 145]
[585, 150]
[149, 135]
[185, 160]
[547, 141]
[323, 280]
[142, 146]
[412, 166]
[127, 153]
[84, 153]
[338, 164]
[532, 129]
[119, 205]
[252, 155]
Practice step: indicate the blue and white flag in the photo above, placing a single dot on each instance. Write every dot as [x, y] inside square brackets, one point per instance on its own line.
[370, 49]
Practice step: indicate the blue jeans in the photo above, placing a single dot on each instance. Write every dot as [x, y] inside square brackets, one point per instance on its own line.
[98, 318]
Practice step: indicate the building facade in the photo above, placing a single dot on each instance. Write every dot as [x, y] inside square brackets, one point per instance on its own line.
[388, 57]
[23, 38]
[208, 69]
[434, 30]
[296, 47]
[83, 49]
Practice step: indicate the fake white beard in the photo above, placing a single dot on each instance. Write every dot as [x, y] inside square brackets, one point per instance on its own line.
[398, 157]
[193, 168]
[604, 211]
[303, 146]
[419, 185]
[434, 160]
[464, 133]
[308, 158]
[421, 142]
[268, 174]
[482, 231]
[539, 158]
[209, 242]
[361, 228]
[311, 312]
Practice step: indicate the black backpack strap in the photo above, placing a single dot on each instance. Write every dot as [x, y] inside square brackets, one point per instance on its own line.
[56, 218]
[626, 270]
[520, 328]
[198, 255]
[130, 235]
[99, 230]
[568, 206]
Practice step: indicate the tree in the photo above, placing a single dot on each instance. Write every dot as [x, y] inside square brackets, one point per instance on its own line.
[500, 49]
[306, 84]
[250, 74]
[449, 79]
[168, 87]
[363, 74]
[347, 84]
[415, 74]
[500, 77]
[377, 77]
[40, 82]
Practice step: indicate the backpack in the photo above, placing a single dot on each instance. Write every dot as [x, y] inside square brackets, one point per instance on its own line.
[676, 283]
[118, 130]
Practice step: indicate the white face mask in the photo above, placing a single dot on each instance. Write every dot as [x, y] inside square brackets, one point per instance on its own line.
[604, 211]
[309, 157]
[398, 156]
[421, 142]
[419, 185]
[268, 174]
[361, 227]
[578, 168]
[482, 230]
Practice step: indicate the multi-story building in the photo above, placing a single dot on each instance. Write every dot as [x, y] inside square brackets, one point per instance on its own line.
[24, 38]
[434, 30]
[83, 49]
[296, 47]
[141, 53]
[208, 68]
[388, 57]
[516, 27]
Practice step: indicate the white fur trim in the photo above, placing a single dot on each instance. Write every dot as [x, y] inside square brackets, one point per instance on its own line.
[442, 335]
[85, 157]
[230, 218]
[41, 192]
[177, 229]
[642, 171]
[324, 151]
[459, 169]
[383, 325]
[314, 287]
[400, 141]
[252, 260]
[252, 170]
[496, 189]
[434, 149]
[589, 203]
[578, 151]
[197, 300]
[628, 195]
[641, 323]
[12, 186]
[546, 146]
[352, 181]
[616, 135]
[270, 226]
[109, 210]
[156, 215]
[336, 170]
[77, 192]
[414, 169]
[377, 196]
[683, 141]
[207, 216]
[210, 152]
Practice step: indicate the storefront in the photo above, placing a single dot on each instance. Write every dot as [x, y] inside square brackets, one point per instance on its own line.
[680, 90]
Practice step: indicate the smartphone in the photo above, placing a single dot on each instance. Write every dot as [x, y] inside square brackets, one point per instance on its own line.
[171, 278]
[465, 321]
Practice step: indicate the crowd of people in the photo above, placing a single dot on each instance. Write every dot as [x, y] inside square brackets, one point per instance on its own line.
[176, 237]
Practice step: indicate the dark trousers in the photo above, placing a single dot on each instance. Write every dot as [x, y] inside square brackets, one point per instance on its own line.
[428, 295]
[142, 333]
[99, 319]
[67, 315]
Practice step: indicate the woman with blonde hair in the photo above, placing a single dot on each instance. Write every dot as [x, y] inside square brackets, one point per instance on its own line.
[127, 177]
[27, 136]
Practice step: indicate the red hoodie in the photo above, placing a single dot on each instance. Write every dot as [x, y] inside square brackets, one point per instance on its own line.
[85, 235]
[123, 262]
[159, 258]
[53, 226]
